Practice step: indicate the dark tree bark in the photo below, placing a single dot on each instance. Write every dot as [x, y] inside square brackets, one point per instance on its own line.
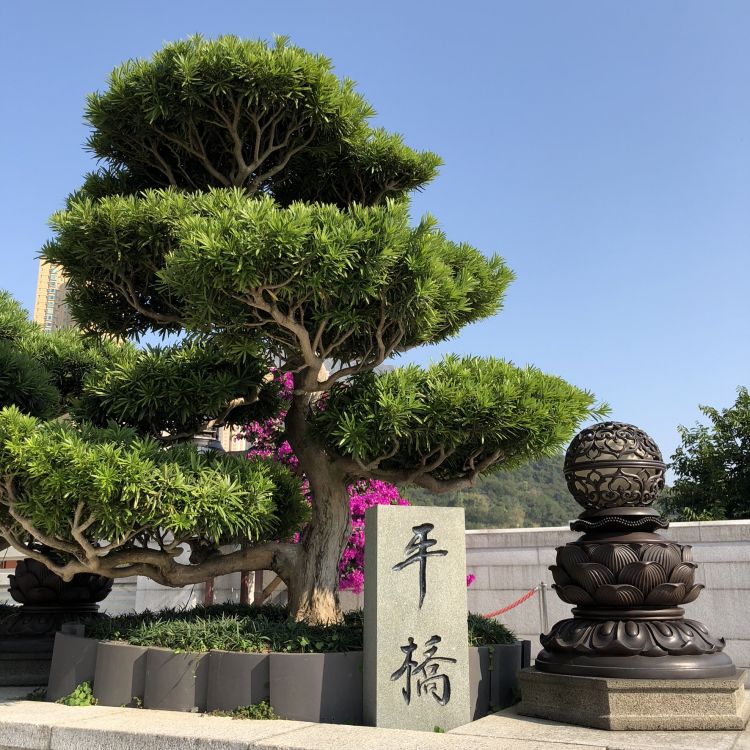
[313, 584]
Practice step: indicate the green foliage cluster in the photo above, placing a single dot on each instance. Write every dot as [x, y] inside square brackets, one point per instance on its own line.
[712, 466]
[42, 373]
[362, 272]
[176, 389]
[477, 411]
[531, 495]
[248, 628]
[83, 695]
[180, 117]
[125, 483]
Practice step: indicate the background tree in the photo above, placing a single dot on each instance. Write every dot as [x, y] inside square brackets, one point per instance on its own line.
[246, 201]
[534, 494]
[712, 466]
[42, 374]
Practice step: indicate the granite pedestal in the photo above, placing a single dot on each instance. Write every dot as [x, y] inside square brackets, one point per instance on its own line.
[25, 661]
[716, 703]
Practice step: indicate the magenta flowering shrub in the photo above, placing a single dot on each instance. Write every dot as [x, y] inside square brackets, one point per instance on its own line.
[267, 442]
[363, 495]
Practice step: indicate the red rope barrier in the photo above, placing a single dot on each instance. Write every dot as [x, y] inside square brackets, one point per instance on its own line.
[526, 596]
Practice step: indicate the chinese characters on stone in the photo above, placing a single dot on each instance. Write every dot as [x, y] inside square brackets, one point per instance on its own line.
[418, 550]
[426, 673]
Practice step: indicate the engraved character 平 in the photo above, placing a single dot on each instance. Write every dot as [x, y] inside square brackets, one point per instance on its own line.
[418, 550]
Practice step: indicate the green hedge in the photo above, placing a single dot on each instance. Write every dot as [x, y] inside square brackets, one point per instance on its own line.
[235, 627]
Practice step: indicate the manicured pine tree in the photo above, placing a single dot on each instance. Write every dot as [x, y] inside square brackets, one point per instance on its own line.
[245, 200]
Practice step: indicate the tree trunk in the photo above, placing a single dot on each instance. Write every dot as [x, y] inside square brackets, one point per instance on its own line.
[313, 584]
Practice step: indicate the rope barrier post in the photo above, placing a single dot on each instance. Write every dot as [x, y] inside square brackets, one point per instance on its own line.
[543, 616]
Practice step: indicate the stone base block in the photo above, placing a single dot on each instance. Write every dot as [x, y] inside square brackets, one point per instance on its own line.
[25, 661]
[632, 704]
[24, 669]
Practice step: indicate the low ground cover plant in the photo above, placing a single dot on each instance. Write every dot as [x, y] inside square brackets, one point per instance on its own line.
[83, 695]
[253, 629]
[254, 711]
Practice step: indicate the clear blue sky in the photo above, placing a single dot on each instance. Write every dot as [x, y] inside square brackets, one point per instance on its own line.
[601, 148]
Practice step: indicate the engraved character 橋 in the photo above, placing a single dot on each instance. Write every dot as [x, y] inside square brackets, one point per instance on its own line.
[418, 550]
[427, 673]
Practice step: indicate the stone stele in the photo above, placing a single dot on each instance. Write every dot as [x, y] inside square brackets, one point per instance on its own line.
[416, 671]
[630, 704]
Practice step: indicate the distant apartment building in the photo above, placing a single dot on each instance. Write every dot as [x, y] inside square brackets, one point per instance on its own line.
[50, 310]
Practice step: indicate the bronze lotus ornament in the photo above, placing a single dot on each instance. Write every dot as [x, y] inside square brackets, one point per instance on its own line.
[48, 601]
[625, 581]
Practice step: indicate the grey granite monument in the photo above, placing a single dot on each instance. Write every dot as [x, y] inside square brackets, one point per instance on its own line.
[416, 671]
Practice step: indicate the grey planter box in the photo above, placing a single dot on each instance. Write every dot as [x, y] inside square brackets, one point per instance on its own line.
[236, 679]
[317, 687]
[507, 661]
[479, 681]
[175, 682]
[73, 662]
[120, 676]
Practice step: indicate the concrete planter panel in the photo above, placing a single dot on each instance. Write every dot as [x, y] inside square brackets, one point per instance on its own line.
[507, 661]
[236, 679]
[175, 682]
[120, 676]
[73, 662]
[479, 681]
[317, 687]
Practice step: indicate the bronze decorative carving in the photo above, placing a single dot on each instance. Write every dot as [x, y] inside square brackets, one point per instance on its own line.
[48, 601]
[613, 464]
[626, 582]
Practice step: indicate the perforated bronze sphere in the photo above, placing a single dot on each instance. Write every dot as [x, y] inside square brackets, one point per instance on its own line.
[612, 465]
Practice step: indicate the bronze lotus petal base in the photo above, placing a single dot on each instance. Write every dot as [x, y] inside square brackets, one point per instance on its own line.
[637, 667]
[48, 601]
[619, 595]
[637, 648]
[631, 638]
[614, 556]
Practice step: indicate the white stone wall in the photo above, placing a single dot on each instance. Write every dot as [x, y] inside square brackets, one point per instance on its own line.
[508, 562]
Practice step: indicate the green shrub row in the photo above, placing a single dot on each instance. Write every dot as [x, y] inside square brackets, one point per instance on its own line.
[253, 629]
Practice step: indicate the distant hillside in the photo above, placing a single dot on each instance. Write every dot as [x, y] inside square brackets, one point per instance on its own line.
[534, 495]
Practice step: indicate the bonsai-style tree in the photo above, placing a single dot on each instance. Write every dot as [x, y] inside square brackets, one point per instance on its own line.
[712, 466]
[245, 201]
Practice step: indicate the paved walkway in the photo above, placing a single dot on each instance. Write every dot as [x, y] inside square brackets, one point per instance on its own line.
[30, 725]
